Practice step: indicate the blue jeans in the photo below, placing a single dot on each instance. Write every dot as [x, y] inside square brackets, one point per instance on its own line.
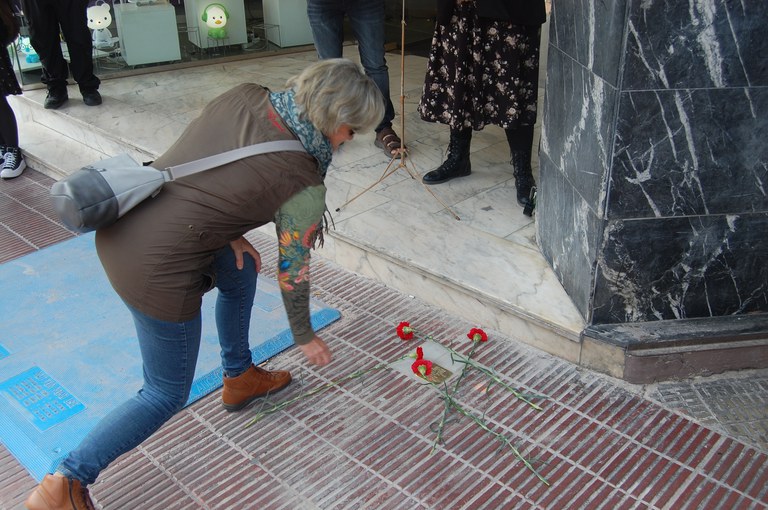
[169, 354]
[366, 18]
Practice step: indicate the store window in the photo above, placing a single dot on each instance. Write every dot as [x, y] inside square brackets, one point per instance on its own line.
[137, 36]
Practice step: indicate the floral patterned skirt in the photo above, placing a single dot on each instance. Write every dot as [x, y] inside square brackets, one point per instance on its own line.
[481, 72]
[9, 85]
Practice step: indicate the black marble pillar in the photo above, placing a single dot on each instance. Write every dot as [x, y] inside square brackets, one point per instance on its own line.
[653, 193]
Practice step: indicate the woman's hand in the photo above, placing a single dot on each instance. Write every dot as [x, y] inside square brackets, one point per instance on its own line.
[240, 246]
[317, 352]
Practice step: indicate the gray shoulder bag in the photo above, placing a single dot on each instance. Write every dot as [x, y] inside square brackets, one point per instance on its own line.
[96, 195]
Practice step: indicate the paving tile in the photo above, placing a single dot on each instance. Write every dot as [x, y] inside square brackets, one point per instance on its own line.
[10, 207]
[701, 445]
[737, 405]
[13, 246]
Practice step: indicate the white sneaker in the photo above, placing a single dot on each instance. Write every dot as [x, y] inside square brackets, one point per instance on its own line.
[13, 164]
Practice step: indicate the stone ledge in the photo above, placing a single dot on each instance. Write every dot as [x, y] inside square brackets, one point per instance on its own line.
[654, 351]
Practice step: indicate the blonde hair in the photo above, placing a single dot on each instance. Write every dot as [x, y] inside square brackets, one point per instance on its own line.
[336, 91]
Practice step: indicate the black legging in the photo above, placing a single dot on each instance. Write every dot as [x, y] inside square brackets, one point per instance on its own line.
[520, 138]
[45, 18]
[9, 131]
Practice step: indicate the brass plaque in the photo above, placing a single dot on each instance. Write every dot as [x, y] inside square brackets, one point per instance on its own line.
[438, 374]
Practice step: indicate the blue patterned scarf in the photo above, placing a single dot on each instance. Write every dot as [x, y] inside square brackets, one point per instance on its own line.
[313, 140]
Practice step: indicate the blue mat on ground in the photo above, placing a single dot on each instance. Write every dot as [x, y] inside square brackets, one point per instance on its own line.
[68, 351]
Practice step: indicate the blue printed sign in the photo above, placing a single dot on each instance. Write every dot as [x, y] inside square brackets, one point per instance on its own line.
[45, 401]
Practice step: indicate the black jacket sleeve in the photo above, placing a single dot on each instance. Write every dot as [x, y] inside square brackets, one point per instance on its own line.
[519, 12]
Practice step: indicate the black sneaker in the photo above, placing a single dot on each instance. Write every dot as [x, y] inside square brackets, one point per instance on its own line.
[14, 163]
[54, 99]
[92, 98]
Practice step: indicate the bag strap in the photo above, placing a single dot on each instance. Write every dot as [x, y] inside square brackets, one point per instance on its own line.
[176, 172]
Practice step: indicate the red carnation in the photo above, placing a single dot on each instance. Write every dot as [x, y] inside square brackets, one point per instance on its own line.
[405, 331]
[422, 367]
[419, 353]
[477, 335]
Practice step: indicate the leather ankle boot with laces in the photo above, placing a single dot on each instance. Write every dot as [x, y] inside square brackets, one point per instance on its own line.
[254, 383]
[524, 182]
[457, 163]
[57, 492]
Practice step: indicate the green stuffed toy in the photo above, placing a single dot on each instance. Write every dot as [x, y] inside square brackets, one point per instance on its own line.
[215, 17]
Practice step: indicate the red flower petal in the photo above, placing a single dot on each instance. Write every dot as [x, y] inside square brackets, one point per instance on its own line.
[477, 335]
[422, 367]
[405, 331]
[419, 353]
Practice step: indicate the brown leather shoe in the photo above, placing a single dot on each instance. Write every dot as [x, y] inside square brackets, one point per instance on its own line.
[254, 383]
[58, 492]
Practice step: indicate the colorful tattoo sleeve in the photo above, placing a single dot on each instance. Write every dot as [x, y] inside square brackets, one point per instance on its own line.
[297, 222]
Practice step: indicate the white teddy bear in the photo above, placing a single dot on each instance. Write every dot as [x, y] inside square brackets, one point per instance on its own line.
[99, 19]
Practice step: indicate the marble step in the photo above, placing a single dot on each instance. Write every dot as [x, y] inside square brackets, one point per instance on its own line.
[52, 154]
[57, 142]
[493, 282]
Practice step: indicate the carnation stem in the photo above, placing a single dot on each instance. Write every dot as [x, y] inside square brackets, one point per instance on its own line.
[464, 368]
[467, 360]
[444, 418]
[482, 424]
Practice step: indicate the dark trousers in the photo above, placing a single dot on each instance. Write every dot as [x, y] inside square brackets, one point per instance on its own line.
[46, 18]
[366, 20]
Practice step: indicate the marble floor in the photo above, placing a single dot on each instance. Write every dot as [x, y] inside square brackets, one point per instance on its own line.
[486, 266]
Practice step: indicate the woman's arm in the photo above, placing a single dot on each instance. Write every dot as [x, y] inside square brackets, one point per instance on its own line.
[297, 222]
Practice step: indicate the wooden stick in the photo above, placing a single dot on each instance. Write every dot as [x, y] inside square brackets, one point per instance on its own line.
[402, 81]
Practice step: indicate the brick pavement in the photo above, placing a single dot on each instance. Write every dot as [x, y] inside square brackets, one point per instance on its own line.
[366, 445]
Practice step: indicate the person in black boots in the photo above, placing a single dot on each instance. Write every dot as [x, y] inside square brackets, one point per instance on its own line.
[46, 18]
[484, 69]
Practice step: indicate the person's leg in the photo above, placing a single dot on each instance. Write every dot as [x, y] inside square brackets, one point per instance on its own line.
[169, 353]
[74, 26]
[520, 140]
[326, 18]
[234, 303]
[12, 162]
[9, 130]
[42, 16]
[243, 382]
[366, 19]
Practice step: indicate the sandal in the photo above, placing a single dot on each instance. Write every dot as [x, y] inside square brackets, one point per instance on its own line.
[388, 140]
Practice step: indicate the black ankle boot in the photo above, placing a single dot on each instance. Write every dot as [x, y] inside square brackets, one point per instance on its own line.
[521, 163]
[457, 163]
